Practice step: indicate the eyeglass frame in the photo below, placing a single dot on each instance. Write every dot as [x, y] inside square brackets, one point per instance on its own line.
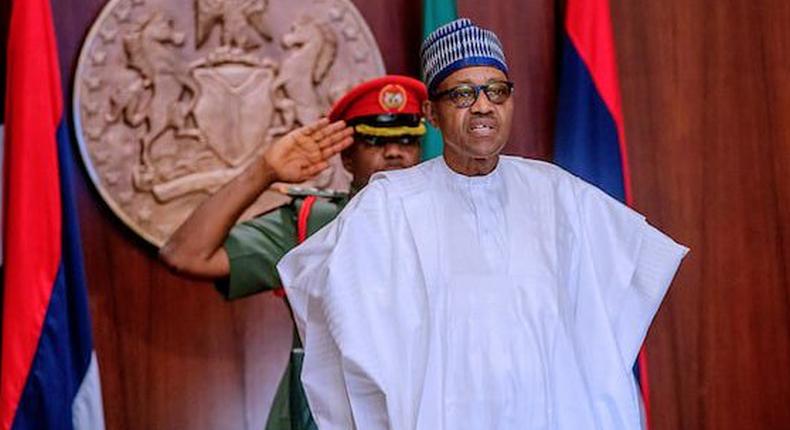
[478, 89]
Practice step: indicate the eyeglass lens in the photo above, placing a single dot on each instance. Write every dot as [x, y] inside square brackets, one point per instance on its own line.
[466, 95]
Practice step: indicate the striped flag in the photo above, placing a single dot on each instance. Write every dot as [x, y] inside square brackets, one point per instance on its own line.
[50, 376]
[435, 13]
[590, 136]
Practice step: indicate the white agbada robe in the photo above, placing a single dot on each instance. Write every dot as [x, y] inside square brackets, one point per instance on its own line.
[515, 300]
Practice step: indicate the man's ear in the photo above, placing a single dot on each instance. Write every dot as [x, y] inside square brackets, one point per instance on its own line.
[429, 113]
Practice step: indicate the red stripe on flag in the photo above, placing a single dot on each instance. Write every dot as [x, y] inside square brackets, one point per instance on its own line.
[589, 26]
[645, 387]
[32, 203]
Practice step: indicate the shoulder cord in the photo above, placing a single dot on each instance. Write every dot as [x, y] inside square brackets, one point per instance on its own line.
[301, 229]
[304, 215]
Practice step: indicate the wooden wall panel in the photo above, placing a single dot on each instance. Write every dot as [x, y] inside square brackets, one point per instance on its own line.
[707, 100]
[706, 95]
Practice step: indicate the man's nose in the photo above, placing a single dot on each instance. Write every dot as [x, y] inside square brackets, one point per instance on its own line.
[393, 150]
[482, 105]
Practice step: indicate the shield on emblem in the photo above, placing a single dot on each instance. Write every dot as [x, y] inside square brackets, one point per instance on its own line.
[235, 108]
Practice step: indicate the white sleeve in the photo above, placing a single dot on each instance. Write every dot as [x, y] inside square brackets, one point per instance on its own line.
[357, 311]
[632, 262]
[302, 272]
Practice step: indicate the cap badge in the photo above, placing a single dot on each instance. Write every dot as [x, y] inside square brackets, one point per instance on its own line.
[393, 98]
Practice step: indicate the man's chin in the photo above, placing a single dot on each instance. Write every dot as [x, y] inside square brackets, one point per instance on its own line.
[486, 151]
[484, 147]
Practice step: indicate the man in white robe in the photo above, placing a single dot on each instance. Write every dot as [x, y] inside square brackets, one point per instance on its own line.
[476, 291]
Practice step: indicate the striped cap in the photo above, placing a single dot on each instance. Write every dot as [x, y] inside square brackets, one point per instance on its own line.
[455, 46]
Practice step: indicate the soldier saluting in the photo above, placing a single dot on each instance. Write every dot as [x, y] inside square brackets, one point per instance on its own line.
[376, 126]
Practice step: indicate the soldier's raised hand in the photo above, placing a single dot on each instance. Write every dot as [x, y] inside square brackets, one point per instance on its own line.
[305, 152]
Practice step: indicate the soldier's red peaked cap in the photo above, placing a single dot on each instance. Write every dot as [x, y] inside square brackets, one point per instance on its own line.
[387, 95]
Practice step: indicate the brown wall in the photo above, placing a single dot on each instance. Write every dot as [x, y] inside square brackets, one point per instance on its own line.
[705, 89]
[707, 102]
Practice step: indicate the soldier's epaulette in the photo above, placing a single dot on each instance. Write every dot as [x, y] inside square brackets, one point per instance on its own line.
[309, 191]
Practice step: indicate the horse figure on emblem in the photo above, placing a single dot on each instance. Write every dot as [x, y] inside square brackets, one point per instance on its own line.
[312, 48]
[164, 97]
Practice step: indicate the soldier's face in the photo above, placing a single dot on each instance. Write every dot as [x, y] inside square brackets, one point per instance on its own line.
[363, 158]
[477, 131]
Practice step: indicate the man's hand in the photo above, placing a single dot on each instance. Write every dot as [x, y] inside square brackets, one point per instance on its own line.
[195, 248]
[305, 152]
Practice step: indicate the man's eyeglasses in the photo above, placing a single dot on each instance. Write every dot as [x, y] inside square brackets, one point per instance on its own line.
[466, 95]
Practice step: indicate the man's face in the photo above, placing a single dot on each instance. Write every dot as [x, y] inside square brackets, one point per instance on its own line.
[479, 131]
[364, 158]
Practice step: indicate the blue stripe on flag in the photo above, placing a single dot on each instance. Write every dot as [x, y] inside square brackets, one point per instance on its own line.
[65, 347]
[586, 141]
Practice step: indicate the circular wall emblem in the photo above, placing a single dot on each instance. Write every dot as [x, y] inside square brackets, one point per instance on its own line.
[393, 98]
[173, 98]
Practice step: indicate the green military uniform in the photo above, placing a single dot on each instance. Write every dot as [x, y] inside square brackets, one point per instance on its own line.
[254, 248]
